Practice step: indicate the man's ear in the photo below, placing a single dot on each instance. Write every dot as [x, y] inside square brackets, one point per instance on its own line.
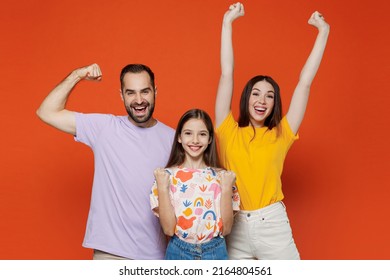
[121, 94]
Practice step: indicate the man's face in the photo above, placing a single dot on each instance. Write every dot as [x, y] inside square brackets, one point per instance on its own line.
[138, 96]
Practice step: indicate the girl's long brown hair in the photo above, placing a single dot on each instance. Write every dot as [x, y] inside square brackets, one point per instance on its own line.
[210, 155]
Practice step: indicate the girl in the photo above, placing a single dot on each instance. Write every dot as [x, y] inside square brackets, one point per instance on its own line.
[193, 197]
[255, 147]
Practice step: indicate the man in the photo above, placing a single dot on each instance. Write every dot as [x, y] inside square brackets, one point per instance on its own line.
[126, 151]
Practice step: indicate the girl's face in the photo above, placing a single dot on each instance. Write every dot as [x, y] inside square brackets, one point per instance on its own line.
[194, 138]
[261, 103]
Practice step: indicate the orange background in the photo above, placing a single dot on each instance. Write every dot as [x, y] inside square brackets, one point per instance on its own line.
[336, 180]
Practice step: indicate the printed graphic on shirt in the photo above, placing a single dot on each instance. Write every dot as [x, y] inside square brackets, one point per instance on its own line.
[196, 196]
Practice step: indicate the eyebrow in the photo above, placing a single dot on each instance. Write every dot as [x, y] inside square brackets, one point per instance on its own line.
[141, 90]
[260, 90]
[192, 130]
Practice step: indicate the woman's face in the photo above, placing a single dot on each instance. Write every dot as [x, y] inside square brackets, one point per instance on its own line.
[261, 103]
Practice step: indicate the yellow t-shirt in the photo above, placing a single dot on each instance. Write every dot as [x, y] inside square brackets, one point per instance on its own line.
[258, 164]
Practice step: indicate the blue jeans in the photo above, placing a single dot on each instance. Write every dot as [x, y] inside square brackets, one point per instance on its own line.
[215, 249]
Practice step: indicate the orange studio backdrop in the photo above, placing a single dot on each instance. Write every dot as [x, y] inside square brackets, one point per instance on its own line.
[335, 178]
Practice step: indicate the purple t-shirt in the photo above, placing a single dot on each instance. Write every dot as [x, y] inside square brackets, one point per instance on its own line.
[120, 221]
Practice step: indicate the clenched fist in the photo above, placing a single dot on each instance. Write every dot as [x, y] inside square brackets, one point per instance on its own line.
[162, 178]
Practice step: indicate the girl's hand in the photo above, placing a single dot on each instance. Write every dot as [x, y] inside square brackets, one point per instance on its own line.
[235, 11]
[228, 179]
[318, 20]
[162, 178]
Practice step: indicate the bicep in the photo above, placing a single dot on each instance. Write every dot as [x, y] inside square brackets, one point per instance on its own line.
[297, 107]
[224, 99]
[64, 120]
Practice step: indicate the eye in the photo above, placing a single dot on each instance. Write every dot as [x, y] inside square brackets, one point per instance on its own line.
[204, 134]
[187, 133]
[255, 93]
[270, 96]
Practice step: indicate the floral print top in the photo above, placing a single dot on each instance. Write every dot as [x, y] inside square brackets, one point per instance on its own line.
[195, 195]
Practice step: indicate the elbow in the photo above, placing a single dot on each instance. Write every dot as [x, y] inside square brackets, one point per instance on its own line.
[227, 227]
[226, 75]
[39, 113]
[169, 228]
[42, 115]
[226, 231]
[169, 232]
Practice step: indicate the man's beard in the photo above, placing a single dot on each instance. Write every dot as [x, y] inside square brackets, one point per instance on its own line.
[143, 119]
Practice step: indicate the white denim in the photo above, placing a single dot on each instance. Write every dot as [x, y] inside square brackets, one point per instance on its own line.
[263, 234]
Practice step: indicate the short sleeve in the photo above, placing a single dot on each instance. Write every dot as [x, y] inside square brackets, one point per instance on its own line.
[288, 136]
[154, 199]
[236, 199]
[226, 126]
[89, 126]
[287, 129]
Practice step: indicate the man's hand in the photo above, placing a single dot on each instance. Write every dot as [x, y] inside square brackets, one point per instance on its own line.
[91, 72]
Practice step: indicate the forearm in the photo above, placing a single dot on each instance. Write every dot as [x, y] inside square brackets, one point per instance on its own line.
[314, 60]
[300, 97]
[226, 211]
[227, 55]
[166, 213]
[57, 98]
[225, 87]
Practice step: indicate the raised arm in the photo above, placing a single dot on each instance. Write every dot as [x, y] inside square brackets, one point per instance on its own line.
[166, 212]
[225, 87]
[300, 97]
[52, 110]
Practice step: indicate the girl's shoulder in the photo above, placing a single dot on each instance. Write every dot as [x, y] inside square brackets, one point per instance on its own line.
[217, 169]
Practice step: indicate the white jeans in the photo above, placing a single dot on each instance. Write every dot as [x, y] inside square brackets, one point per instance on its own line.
[263, 234]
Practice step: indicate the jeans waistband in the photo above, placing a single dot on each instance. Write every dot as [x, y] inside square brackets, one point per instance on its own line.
[200, 247]
[254, 214]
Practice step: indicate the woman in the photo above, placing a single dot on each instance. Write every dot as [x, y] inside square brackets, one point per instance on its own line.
[255, 147]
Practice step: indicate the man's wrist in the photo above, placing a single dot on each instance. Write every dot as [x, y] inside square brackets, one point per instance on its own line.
[74, 76]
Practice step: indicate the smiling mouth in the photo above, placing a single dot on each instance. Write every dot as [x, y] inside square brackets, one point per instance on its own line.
[139, 110]
[195, 148]
[260, 110]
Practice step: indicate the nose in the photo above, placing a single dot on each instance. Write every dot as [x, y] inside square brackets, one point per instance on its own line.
[195, 139]
[138, 98]
[262, 98]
